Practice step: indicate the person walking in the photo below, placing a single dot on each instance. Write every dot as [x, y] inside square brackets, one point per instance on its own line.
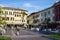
[17, 32]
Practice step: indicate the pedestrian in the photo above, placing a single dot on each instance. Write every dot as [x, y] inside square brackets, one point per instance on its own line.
[17, 33]
[17, 29]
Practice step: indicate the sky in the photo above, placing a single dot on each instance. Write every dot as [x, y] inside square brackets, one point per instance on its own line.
[29, 5]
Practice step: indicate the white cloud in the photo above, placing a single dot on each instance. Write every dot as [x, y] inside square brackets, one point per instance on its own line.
[27, 5]
[57, 0]
[30, 5]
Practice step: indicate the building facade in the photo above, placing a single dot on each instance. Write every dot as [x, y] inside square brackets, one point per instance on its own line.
[57, 11]
[53, 13]
[46, 13]
[40, 16]
[33, 19]
[14, 16]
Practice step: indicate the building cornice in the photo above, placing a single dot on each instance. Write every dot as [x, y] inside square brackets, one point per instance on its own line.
[14, 8]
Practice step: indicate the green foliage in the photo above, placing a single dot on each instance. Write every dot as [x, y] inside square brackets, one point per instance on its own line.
[47, 20]
[0, 12]
[0, 9]
[2, 24]
[0, 16]
[1, 21]
[54, 36]
[23, 14]
[5, 38]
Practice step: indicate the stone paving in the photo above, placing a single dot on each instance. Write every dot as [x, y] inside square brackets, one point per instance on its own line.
[32, 38]
[24, 35]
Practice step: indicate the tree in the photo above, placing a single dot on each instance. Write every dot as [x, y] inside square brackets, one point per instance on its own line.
[23, 15]
[1, 16]
[47, 20]
[2, 23]
[5, 25]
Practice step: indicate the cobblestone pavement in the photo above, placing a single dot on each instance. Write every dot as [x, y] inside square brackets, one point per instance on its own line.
[24, 35]
[31, 38]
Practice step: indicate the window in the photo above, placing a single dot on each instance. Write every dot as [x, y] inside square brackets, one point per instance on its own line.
[2, 12]
[36, 21]
[28, 21]
[33, 17]
[10, 13]
[7, 18]
[49, 12]
[45, 14]
[15, 15]
[52, 10]
[3, 18]
[23, 20]
[12, 18]
[37, 16]
[41, 19]
[19, 15]
[6, 12]
[41, 14]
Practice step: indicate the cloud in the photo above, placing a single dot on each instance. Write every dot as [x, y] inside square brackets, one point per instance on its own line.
[57, 0]
[27, 5]
[30, 5]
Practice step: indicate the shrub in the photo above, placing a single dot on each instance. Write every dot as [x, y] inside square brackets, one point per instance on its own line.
[5, 38]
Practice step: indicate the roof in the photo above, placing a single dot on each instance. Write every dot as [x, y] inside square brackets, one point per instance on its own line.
[33, 13]
[46, 9]
[58, 3]
[13, 8]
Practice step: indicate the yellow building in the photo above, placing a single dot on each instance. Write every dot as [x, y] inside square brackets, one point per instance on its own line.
[30, 19]
[14, 16]
[33, 20]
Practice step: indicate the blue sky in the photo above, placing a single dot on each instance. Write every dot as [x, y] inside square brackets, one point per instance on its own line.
[29, 5]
